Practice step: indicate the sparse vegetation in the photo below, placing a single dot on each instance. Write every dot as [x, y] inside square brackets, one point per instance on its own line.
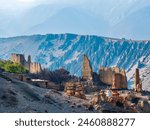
[11, 67]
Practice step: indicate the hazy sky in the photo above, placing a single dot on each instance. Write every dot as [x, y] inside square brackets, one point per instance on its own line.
[15, 4]
[113, 7]
[112, 11]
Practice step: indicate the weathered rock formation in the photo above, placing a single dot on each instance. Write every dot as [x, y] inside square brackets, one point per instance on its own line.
[114, 77]
[137, 81]
[87, 72]
[20, 59]
[74, 89]
[70, 89]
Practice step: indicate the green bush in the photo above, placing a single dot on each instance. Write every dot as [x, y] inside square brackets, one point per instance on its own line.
[11, 67]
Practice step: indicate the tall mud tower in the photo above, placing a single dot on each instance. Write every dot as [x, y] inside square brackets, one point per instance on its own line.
[87, 72]
[137, 81]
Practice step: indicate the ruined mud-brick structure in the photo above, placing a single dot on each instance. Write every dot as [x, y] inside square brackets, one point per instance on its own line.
[114, 77]
[74, 89]
[87, 72]
[29, 65]
[137, 81]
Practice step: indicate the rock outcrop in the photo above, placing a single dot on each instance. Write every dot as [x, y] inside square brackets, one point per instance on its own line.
[87, 72]
[20, 59]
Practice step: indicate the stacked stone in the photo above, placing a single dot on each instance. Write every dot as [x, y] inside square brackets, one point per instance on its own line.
[70, 89]
[79, 91]
[74, 89]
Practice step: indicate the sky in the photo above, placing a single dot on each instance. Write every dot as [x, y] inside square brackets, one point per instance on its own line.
[116, 13]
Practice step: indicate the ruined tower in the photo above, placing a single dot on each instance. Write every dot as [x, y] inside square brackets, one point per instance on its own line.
[87, 72]
[20, 59]
[137, 81]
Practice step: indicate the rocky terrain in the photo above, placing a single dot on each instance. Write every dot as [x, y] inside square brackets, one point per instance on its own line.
[17, 96]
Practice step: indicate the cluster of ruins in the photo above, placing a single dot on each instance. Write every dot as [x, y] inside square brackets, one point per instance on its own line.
[114, 77]
[29, 65]
[114, 94]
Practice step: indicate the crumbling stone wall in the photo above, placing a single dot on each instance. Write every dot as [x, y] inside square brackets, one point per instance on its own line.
[35, 68]
[87, 72]
[114, 77]
[117, 78]
[20, 59]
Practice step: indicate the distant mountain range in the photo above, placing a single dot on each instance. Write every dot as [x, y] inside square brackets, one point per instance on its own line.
[54, 51]
[122, 19]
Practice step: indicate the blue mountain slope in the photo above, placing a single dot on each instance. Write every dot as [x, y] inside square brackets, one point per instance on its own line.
[66, 50]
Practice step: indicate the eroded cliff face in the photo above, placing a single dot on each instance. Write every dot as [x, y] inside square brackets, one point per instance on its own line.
[20, 59]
